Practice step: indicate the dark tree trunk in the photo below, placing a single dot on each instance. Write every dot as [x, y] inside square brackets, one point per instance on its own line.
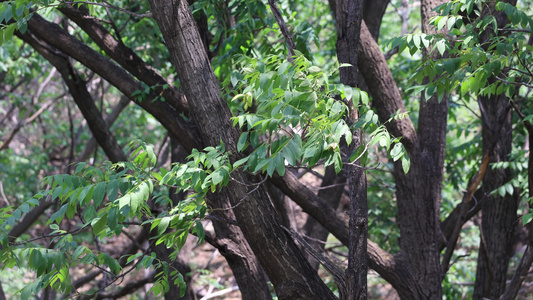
[289, 272]
[349, 16]
[498, 213]
[2, 295]
[418, 191]
[373, 14]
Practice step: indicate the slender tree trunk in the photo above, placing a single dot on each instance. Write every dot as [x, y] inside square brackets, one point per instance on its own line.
[288, 270]
[2, 295]
[349, 16]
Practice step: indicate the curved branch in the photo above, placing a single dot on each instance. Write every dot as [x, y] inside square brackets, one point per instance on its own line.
[57, 37]
[126, 57]
[83, 99]
[388, 266]
[386, 98]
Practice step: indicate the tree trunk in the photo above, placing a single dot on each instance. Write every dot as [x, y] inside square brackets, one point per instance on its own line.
[419, 190]
[498, 213]
[349, 16]
[289, 272]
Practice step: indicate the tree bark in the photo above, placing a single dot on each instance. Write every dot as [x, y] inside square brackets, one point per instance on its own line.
[349, 17]
[332, 188]
[498, 213]
[373, 12]
[167, 115]
[418, 192]
[289, 272]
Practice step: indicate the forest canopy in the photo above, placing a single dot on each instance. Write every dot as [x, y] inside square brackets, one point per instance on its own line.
[282, 149]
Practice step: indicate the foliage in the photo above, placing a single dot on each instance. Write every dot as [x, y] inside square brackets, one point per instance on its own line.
[108, 199]
[289, 112]
[290, 115]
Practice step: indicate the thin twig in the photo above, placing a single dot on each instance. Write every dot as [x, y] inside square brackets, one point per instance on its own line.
[284, 29]
[107, 5]
[514, 30]
[74, 232]
[3, 195]
[243, 198]
[514, 83]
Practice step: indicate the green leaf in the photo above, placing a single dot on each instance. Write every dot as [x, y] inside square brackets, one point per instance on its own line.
[99, 224]
[441, 46]
[112, 190]
[406, 163]
[58, 215]
[8, 31]
[338, 162]
[348, 92]
[99, 193]
[217, 177]
[272, 165]
[200, 233]
[240, 162]
[86, 194]
[241, 144]
[163, 225]
[25, 207]
[527, 218]
[364, 98]
[509, 188]
[79, 251]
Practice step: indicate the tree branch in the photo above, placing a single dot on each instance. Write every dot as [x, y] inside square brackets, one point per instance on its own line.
[388, 266]
[57, 37]
[386, 98]
[283, 28]
[126, 57]
[82, 97]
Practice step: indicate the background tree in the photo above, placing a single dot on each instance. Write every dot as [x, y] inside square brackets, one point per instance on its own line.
[234, 101]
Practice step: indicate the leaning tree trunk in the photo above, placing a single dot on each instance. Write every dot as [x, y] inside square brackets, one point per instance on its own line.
[285, 265]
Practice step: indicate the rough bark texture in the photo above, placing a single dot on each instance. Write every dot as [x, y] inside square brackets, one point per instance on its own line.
[373, 14]
[332, 188]
[289, 272]
[2, 294]
[418, 192]
[391, 268]
[498, 213]
[349, 17]
[523, 267]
